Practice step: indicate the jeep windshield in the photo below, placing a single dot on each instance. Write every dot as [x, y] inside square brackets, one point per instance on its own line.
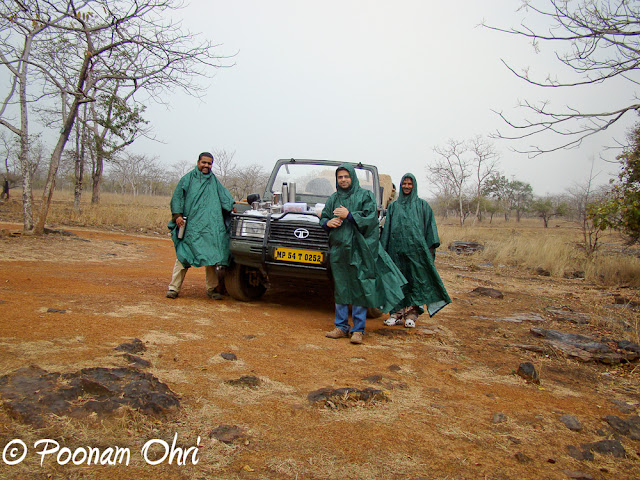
[314, 180]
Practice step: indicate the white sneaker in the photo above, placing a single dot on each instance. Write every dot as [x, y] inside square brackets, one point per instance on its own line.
[394, 319]
[409, 323]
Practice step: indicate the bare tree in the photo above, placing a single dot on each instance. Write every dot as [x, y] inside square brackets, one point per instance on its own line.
[584, 195]
[223, 165]
[19, 31]
[246, 180]
[601, 40]
[485, 164]
[452, 168]
[134, 172]
[179, 170]
[85, 46]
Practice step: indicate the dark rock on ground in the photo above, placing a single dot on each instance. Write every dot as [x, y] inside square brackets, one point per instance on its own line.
[620, 300]
[523, 317]
[395, 368]
[606, 447]
[571, 422]
[527, 371]
[30, 393]
[467, 248]
[579, 454]
[603, 447]
[136, 360]
[629, 427]
[487, 292]
[346, 397]
[588, 349]
[542, 272]
[134, 346]
[522, 458]
[55, 310]
[579, 274]
[229, 356]
[245, 381]
[498, 417]
[228, 434]
[568, 316]
[624, 407]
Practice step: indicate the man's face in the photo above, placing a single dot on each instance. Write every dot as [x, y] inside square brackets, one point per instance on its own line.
[344, 179]
[204, 165]
[407, 186]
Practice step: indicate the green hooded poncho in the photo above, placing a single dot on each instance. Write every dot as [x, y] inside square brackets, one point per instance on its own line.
[409, 232]
[363, 273]
[204, 201]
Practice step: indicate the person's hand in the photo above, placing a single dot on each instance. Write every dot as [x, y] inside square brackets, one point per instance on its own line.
[341, 212]
[334, 223]
[180, 221]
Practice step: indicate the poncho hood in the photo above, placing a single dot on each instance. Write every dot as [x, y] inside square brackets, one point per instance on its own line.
[414, 192]
[355, 183]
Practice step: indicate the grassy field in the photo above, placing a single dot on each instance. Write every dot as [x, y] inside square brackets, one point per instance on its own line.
[557, 249]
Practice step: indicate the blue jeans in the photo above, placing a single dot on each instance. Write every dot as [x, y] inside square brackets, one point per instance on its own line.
[358, 313]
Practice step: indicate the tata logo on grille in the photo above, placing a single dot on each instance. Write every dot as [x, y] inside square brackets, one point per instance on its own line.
[301, 233]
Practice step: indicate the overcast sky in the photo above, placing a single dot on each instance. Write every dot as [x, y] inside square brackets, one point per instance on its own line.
[373, 81]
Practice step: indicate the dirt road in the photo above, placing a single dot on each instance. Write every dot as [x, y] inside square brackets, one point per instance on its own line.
[449, 404]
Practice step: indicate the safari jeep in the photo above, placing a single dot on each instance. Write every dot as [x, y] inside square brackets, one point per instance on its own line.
[279, 241]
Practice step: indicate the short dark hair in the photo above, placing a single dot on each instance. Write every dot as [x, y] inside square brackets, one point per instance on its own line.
[342, 168]
[205, 154]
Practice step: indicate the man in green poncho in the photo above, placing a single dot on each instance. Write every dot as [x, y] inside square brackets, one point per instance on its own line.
[411, 238]
[199, 204]
[363, 274]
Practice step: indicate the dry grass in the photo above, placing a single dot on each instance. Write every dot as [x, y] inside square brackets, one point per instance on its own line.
[143, 213]
[557, 249]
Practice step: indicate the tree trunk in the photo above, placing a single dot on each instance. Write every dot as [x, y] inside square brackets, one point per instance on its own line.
[96, 175]
[49, 187]
[79, 166]
[25, 171]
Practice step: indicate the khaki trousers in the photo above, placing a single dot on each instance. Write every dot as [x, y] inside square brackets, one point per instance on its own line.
[179, 272]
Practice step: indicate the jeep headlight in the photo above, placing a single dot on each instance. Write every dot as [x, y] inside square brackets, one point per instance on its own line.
[250, 228]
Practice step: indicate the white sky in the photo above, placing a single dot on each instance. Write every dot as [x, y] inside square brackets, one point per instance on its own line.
[373, 81]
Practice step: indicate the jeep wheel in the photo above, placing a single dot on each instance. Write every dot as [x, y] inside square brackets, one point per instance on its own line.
[373, 312]
[244, 283]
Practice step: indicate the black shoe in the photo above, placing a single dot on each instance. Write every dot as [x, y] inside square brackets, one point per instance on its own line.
[172, 294]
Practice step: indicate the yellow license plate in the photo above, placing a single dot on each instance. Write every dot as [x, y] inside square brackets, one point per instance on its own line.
[300, 256]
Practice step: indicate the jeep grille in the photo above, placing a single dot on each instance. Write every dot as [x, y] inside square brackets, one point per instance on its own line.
[282, 233]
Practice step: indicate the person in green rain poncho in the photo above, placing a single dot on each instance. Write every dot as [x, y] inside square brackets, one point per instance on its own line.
[363, 274]
[410, 236]
[200, 203]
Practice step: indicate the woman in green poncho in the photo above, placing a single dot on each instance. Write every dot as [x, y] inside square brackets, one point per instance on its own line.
[411, 238]
[364, 275]
[199, 203]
